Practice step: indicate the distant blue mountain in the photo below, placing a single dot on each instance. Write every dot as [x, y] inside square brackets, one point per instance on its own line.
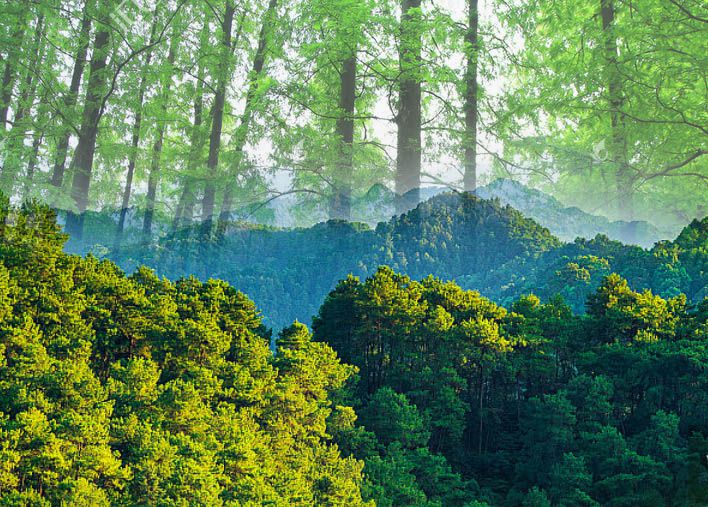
[568, 223]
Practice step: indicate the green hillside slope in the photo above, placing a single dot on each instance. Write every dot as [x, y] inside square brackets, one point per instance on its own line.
[479, 243]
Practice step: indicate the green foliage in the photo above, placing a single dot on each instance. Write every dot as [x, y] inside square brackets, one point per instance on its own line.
[596, 84]
[120, 390]
[531, 406]
[136, 390]
[479, 244]
[393, 418]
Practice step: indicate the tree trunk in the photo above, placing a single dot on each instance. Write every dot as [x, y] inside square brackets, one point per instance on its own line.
[242, 132]
[16, 137]
[618, 142]
[154, 176]
[9, 73]
[71, 98]
[184, 214]
[217, 118]
[8, 80]
[185, 208]
[82, 163]
[153, 180]
[32, 163]
[471, 100]
[409, 150]
[341, 204]
[135, 141]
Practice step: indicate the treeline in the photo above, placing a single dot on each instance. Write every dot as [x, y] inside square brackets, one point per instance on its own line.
[186, 109]
[120, 390]
[530, 406]
[135, 390]
[478, 243]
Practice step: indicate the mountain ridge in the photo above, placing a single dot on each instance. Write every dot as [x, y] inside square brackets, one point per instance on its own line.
[480, 243]
[570, 222]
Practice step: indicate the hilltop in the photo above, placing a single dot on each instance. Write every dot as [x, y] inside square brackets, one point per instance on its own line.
[565, 222]
[135, 390]
[568, 222]
[480, 243]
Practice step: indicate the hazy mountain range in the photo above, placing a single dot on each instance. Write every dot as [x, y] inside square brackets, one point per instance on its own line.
[567, 223]
[482, 244]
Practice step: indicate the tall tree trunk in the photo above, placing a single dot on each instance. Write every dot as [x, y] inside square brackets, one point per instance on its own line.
[185, 207]
[16, 147]
[82, 163]
[41, 121]
[32, 163]
[184, 214]
[409, 149]
[154, 175]
[217, 118]
[8, 78]
[135, 140]
[618, 143]
[239, 141]
[8, 81]
[153, 180]
[9, 72]
[341, 204]
[471, 99]
[71, 98]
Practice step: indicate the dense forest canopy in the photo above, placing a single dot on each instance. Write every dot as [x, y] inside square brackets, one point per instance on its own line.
[120, 390]
[134, 390]
[174, 111]
[476, 231]
[478, 243]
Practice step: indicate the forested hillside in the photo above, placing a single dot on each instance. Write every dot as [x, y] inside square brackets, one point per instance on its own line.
[415, 253]
[120, 390]
[576, 269]
[538, 407]
[135, 390]
[478, 243]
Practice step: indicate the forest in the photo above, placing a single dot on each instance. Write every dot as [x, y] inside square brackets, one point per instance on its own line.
[392, 253]
[135, 390]
[479, 243]
[165, 113]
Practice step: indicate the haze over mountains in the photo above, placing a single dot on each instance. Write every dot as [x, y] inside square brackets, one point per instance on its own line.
[123, 389]
[378, 205]
[481, 244]
[565, 222]
[568, 223]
